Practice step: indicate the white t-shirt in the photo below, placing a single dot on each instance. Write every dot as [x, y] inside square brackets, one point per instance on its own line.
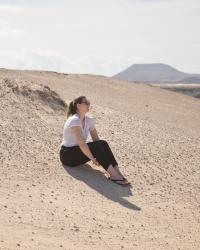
[69, 138]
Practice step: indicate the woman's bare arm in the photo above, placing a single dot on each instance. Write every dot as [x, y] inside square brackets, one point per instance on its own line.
[94, 134]
[83, 146]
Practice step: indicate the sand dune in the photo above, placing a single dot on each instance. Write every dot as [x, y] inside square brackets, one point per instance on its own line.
[154, 134]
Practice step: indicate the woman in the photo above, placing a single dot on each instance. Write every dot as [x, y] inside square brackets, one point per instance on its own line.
[74, 149]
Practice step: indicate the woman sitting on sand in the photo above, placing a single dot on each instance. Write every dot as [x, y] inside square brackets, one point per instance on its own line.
[74, 149]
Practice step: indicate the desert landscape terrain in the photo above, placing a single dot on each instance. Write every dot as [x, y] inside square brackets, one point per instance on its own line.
[155, 136]
[184, 88]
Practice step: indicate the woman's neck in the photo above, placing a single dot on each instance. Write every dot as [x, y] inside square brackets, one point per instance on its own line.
[81, 116]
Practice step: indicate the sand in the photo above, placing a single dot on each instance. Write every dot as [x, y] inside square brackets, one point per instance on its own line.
[155, 136]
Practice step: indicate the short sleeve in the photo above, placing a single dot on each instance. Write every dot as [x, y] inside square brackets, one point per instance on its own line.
[74, 122]
[91, 124]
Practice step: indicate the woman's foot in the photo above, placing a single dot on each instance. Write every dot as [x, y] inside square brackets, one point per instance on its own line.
[120, 181]
[114, 174]
[117, 169]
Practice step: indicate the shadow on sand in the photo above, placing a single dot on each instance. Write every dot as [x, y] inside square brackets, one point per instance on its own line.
[96, 180]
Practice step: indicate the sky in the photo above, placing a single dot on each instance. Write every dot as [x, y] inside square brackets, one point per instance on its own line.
[100, 37]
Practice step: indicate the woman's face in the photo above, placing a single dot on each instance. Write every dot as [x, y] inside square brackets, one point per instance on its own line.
[84, 105]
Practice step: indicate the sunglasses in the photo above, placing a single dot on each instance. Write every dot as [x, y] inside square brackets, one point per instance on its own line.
[86, 102]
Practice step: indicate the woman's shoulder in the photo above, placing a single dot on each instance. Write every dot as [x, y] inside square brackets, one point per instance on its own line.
[89, 118]
[73, 120]
[91, 122]
[73, 117]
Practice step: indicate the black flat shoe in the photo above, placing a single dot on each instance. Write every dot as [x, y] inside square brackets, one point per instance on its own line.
[117, 181]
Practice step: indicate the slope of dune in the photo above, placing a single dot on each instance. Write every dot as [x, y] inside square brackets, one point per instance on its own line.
[154, 134]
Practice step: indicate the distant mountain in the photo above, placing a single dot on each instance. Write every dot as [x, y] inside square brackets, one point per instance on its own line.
[156, 73]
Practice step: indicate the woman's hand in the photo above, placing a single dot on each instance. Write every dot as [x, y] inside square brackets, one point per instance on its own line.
[94, 160]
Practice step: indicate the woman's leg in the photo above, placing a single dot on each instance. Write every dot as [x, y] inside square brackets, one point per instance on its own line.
[109, 152]
[113, 160]
[103, 157]
[72, 156]
[98, 151]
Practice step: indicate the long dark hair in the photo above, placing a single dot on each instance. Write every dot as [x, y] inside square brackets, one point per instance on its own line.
[72, 107]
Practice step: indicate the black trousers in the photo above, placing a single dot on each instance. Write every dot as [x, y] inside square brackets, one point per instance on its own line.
[73, 156]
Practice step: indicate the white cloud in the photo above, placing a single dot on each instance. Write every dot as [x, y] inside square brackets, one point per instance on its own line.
[33, 59]
[8, 25]
[12, 33]
[49, 60]
[9, 8]
[9, 30]
[30, 2]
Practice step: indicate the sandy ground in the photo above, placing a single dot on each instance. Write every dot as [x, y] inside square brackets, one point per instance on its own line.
[154, 134]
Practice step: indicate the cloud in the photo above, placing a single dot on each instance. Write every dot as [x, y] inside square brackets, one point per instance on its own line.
[9, 8]
[33, 59]
[49, 60]
[151, 1]
[30, 2]
[7, 31]
[11, 33]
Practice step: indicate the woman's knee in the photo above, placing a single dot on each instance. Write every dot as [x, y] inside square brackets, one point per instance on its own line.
[104, 141]
[99, 142]
[98, 145]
